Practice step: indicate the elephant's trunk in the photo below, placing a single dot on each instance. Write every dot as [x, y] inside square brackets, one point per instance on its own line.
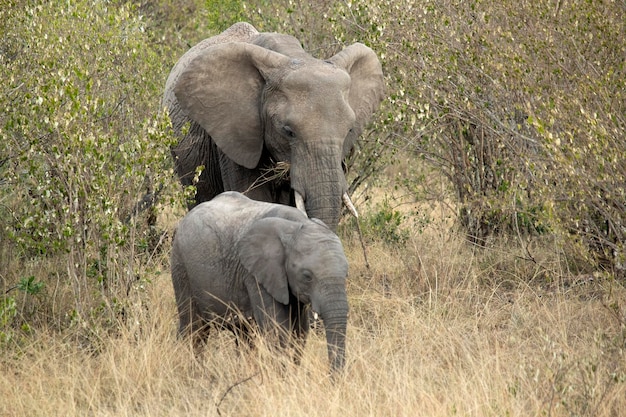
[322, 186]
[334, 313]
[326, 207]
[336, 339]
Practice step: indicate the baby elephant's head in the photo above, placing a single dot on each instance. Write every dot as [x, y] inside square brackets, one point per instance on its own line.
[304, 259]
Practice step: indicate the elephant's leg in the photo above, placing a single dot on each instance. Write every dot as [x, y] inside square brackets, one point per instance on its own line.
[299, 329]
[251, 182]
[210, 181]
[241, 327]
[190, 322]
[193, 325]
[194, 150]
[271, 316]
[199, 334]
[182, 292]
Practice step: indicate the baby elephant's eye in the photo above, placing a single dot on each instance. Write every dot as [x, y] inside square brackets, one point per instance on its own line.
[307, 276]
[289, 132]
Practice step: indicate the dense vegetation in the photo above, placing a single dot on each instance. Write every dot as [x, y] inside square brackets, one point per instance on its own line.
[505, 123]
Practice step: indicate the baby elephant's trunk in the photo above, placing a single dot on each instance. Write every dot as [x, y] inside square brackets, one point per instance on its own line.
[334, 313]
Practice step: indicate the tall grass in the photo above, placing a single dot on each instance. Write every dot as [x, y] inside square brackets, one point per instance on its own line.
[426, 337]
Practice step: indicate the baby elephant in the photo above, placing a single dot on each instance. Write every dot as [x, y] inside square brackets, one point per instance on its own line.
[234, 258]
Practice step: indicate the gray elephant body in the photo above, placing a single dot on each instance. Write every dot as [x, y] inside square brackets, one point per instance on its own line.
[234, 258]
[242, 101]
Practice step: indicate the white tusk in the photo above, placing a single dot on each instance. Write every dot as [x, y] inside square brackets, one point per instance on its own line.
[315, 315]
[300, 202]
[348, 203]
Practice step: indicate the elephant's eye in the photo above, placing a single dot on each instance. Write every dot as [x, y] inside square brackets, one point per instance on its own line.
[289, 132]
[307, 276]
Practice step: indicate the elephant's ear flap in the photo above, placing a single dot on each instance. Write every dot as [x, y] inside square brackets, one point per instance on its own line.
[262, 253]
[367, 87]
[221, 90]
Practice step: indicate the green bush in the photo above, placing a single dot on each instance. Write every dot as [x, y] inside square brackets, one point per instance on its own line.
[385, 223]
[82, 134]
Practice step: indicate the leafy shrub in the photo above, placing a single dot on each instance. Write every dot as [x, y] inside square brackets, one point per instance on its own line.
[8, 311]
[29, 286]
[386, 223]
[82, 135]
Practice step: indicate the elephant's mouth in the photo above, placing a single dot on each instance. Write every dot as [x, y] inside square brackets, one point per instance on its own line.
[345, 197]
[281, 171]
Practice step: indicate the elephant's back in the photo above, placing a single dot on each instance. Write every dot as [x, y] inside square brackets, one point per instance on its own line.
[234, 210]
[222, 216]
[196, 236]
[241, 209]
[227, 217]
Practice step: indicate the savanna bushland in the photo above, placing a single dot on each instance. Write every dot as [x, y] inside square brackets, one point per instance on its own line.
[491, 187]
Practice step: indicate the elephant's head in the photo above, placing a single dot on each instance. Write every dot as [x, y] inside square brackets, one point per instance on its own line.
[306, 260]
[307, 112]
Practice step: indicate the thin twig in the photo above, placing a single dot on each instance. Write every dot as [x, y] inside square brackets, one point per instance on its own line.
[217, 406]
[278, 172]
[11, 289]
[521, 241]
[358, 228]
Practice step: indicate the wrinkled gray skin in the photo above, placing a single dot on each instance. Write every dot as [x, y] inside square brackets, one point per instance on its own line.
[234, 258]
[243, 101]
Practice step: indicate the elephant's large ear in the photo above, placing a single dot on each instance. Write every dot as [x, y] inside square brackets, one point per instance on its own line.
[262, 252]
[221, 89]
[367, 88]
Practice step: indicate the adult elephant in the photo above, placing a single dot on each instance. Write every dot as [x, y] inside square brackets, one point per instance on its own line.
[236, 261]
[245, 102]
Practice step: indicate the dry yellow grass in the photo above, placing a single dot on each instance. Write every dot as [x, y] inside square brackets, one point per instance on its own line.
[433, 332]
